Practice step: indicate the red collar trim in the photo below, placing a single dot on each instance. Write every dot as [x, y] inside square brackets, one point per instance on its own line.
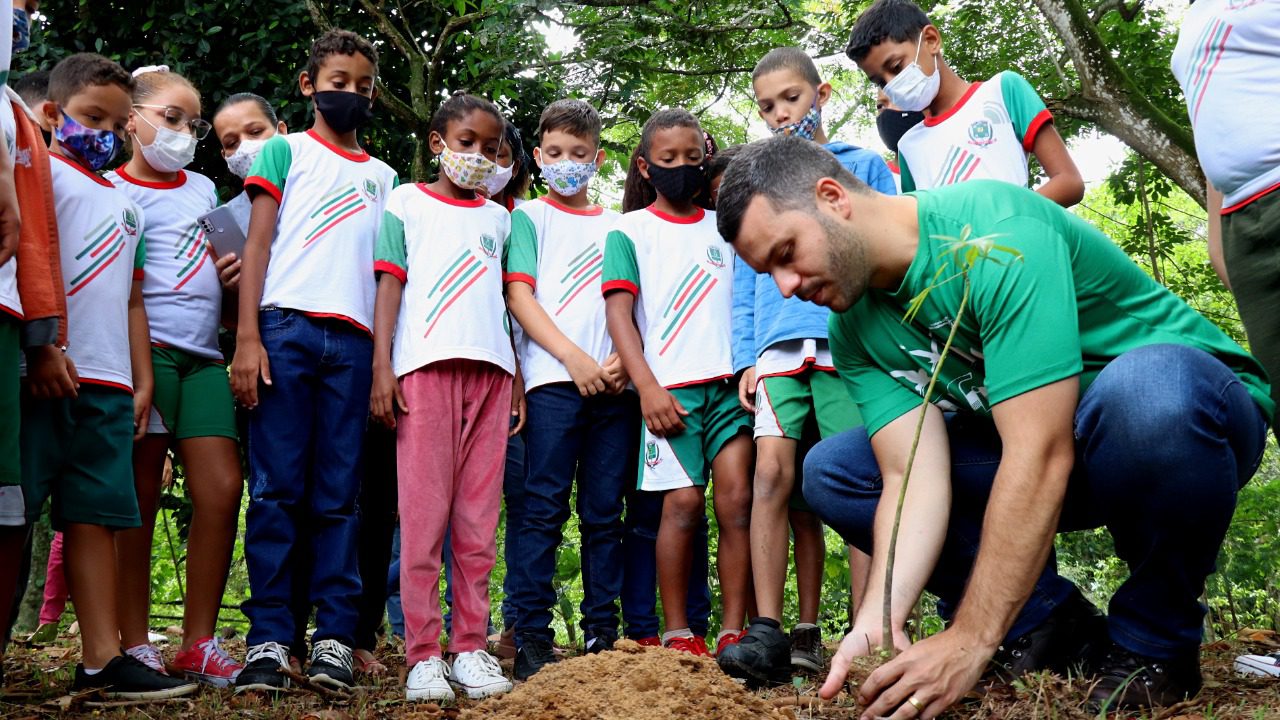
[361, 156]
[473, 203]
[91, 175]
[179, 182]
[689, 220]
[589, 211]
[939, 119]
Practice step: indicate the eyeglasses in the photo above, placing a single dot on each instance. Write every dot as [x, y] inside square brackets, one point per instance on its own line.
[177, 118]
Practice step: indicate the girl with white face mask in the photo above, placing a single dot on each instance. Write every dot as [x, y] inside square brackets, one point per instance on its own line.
[192, 411]
[243, 124]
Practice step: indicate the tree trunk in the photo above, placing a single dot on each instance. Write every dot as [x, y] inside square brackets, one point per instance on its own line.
[1109, 99]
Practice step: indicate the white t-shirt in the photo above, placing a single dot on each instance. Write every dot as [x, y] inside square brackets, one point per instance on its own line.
[791, 357]
[448, 254]
[101, 241]
[559, 251]
[180, 289]
[986, 135]
[10, 303]
[681, 272]
[1227, 61]
[331, 204]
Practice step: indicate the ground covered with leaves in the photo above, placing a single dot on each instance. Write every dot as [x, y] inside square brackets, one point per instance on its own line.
[631, 683]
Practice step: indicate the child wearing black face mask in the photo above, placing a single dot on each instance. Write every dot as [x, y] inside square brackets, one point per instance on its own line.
[668, 284]
[306, 309]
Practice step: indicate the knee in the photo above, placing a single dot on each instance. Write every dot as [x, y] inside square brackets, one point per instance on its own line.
[684, 509]
[773, 480]
[733, 508]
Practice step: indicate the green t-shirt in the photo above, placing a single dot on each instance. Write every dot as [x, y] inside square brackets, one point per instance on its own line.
[1072, 303]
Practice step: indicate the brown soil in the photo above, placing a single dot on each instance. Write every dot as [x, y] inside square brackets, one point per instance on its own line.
[629, 683]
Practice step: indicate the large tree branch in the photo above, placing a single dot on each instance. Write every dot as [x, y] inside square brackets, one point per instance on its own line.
[410, 50]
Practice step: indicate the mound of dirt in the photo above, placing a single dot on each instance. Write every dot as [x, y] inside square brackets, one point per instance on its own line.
[630, 682]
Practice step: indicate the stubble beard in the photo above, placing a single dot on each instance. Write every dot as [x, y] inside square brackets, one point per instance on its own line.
[847, 258]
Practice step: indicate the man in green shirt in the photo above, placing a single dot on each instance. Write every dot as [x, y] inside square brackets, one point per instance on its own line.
[1077, 393]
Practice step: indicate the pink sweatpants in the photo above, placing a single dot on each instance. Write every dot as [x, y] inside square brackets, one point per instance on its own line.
[55, 584]
[450, 450]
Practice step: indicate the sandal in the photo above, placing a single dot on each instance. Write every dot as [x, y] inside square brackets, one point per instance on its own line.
[367, 663]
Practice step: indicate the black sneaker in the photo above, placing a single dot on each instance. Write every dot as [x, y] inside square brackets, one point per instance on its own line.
[535, 652]
[263, 669]
[125, 678]
[601, 641]
[761, 657]
[1127, 680]
[806, 649]
[331, 665]
[1062, 643]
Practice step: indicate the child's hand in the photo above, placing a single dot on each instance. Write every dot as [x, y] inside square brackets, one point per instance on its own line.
[249, 363]
[228, 271]
[387, 396]
[662, 412]
[747, 390]
[587, 374]
[618, 377]
[141, 410]
[50, 373]
[518, 406]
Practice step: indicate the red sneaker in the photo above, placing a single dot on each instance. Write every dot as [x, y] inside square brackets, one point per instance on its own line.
[208, 663]
[730, 639]
[701, 644]
[654, 641]
[692, 645]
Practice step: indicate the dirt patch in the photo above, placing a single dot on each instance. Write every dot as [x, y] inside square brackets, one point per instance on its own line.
[630, 682]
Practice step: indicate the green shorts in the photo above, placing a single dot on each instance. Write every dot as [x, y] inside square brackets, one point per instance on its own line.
[1251, 249]
[80, 452]
[12, 506]
[684, 460]
[192, 396]
[784, 403]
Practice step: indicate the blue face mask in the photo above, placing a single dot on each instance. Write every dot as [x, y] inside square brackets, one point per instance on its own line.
[95, 147]
[21, 30]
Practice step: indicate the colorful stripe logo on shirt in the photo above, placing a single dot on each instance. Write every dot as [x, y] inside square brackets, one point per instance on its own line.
[103, 245]
[334, 208]
[958, 166]
[1210, 47]
[194, 249]
[695, 288]
[461, 274]
[584, 270]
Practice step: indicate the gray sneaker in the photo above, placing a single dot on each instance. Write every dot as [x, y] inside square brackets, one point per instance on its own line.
[807, 654]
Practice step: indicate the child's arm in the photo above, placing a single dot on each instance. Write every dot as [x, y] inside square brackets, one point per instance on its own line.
[1216, 258]
[387, 395]
[140, 357]
[744, 332]
[228, 268]
[587, 374]
[1065, 185]
[519, 408]
[250, 360]
[661, 410]
[10, 217]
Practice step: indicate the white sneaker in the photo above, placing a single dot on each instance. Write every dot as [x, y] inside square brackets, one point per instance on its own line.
[478, 674]
[428, 680]
[1260, 665]
[148, 655]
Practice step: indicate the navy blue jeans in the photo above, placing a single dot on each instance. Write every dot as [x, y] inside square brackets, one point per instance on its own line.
[306, 441]
[514, 501]
[1165, 438]
[592, 439]
[640, 574]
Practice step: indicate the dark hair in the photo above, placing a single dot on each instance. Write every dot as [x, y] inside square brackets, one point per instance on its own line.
[637, 192]
[33, 87]
[572, 116]
[720, 161]
[82, 70]
[785, 170]
[339, 42]
[518, 185]
[788, 58]
[243, 97]
[149, 83]
[457, 107]
[896, 20]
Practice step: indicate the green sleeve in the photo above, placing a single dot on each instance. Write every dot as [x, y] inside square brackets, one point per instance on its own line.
[904, 175]
[390, 254]
[881, 398]
[271, 168]
[521, 262]
[621, 272]
[1026, 109]
[140, 254]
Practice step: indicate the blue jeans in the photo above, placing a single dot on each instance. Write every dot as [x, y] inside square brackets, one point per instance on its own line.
[640, 572]
[1165, 438]
[592, 439]
[306, 442]
[395, 614]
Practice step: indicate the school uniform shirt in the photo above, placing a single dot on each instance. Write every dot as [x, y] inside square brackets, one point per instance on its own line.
[10, 304]
[986, 135]
[681, 272]
[448, 254]
[1226, 59]
[103, 251]
[180, 286]
[559, 252]
[331, 203]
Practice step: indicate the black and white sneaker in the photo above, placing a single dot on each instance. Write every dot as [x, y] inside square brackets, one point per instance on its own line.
[331, 665]
[263, 670]
[535, 652]
[761, 657]
[806, 649]
[125, 678]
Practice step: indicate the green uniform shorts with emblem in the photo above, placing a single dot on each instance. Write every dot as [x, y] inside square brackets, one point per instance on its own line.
[12, 506]
[684, 460]
[80, 451]
[192, 396]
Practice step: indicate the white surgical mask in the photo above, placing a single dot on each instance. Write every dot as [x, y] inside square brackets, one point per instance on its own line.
[242, 159]
[911, 89]
[170, 151]
[497, 182]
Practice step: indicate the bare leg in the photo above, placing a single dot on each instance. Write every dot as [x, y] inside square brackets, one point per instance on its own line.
[91, 578]
[212, 465]
[731, 473]
[771, 493]
[681, 514]
[133, 546]
[811, 551]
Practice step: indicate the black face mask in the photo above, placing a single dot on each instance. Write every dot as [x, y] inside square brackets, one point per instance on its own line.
[343, 111]
[893, 124]
[678, 184]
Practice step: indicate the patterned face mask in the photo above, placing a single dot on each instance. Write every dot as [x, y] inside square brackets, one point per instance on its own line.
[467, 170]
[95, 147]
[805, 127]
[568, 177]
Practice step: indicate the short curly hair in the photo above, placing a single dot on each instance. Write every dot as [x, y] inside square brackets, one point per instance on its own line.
[339, 42]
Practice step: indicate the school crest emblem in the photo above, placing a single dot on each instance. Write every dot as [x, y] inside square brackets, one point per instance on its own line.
[489, 244]
[130, 222]
[714, 256]
[981, 134]
[651, 458]
[370, 189]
